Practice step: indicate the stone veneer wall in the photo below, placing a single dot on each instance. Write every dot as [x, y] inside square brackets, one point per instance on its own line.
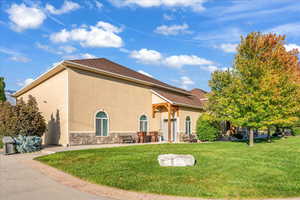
[91, 138]
[183, 136]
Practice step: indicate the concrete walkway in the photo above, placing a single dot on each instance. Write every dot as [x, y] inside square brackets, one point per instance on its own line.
[18, 181]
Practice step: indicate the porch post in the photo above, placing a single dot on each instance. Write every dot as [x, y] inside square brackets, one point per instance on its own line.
[169, 122]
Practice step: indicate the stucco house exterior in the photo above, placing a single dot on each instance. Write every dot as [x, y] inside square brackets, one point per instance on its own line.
[93, 101]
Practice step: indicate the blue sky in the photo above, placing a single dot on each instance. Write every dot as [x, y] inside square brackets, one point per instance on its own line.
[179, 42]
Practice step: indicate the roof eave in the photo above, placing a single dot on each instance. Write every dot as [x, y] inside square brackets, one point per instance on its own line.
[175, 103]
[189, 106]
[49, 73]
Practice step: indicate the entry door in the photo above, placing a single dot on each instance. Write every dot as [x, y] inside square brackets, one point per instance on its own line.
[173, 130]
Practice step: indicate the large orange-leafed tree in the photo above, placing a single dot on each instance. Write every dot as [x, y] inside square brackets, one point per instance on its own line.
[264, 86]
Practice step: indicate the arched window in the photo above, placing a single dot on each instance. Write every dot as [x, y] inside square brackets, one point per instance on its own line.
[143, 123]
[188, 125]
[101, 124]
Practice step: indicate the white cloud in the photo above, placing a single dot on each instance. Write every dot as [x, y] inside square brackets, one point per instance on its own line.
[101, 35]
[228, 35]
[210, 68]
[227, 47]
[14, 56]
[179, 61]
[59, 51]
[25, 82]
[290, 47]
[253, 10]
[196, 5]
[146, 56]
[19, 58]
[172, 30]
[78, 56]
[124, 50]
[92, 4]
[168, 17]
[87, 56]
[62, 36]
[186, 82]
[67, 49]
[23, 17]
[145, 73]
[68, 6]
[98, 4]
[292, 29]
[48, 48]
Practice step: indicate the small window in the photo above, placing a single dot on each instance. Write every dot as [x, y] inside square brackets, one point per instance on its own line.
[143, 123]
[101, 124]
[188, 125]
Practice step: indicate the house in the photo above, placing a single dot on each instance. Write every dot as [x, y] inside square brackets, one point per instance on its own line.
[93, 101]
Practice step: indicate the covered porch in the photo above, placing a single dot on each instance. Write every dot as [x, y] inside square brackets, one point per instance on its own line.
[169, 124]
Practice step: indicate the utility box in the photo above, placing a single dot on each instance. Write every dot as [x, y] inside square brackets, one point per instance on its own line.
[9, 145]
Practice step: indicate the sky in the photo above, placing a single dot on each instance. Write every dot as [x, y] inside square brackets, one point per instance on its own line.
[180, 42]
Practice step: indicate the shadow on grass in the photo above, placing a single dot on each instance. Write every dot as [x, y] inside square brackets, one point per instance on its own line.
[258, 140]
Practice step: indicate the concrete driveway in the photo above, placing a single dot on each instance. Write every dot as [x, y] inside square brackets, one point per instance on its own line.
[18, 181]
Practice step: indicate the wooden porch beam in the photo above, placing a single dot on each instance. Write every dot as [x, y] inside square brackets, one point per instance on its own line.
[169, 122]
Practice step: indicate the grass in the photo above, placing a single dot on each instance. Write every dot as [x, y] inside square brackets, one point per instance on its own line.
[223, 169]
[1, 143]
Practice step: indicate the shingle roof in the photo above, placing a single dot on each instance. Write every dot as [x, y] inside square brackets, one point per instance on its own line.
[180, 99]
[201, 94]
[109, 66]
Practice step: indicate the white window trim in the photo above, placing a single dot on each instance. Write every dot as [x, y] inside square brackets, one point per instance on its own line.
[139, 124]
[108, 120]
[190, 128]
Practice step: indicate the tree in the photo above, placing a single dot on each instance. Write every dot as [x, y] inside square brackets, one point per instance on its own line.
[207, 128]
[2, 89]
[22, 119]
[7, 119]
[262, 89]
[30, 121]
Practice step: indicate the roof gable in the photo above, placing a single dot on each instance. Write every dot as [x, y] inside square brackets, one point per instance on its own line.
[179, 99]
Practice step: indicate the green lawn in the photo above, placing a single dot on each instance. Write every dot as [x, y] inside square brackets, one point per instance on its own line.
[223, 169]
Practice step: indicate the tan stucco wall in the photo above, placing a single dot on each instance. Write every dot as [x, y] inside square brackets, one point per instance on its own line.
[194, 115]
[52, 99]
[123, 101]
[157, 99]
[183, 113]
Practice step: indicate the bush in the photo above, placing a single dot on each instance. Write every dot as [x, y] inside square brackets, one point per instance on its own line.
[238, 136]
[296, 131]
[207, 128]
[26, 144]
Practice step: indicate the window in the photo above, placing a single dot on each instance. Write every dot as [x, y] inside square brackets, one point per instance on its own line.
[101, 124]
[188, 125]
[143, 123]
